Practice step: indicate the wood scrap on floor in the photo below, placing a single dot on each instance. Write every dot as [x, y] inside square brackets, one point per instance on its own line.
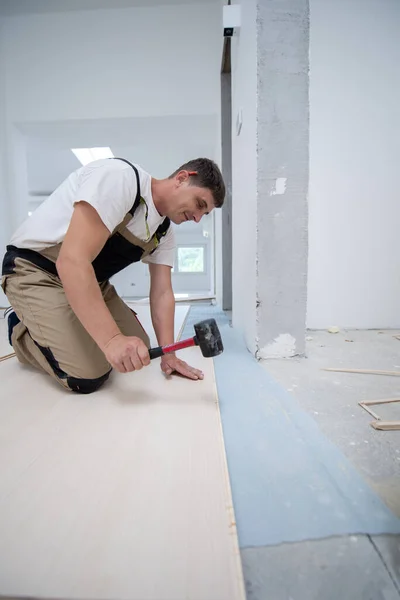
[369, 410]
[365, 371]
[379, 424]
[7, 356]
[386, 425]
[385, 401]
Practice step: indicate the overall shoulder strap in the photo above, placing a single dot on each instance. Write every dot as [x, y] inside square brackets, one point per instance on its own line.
[163, 228]
[137, 199]
[161, 231]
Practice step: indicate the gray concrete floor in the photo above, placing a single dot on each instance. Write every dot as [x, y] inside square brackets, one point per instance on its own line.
[344, 568]
[332, 400]
[351, 567]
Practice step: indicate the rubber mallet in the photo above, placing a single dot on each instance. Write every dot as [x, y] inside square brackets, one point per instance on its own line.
[207, 337]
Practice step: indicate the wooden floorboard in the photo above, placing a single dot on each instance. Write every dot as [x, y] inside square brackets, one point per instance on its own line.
[120, 494]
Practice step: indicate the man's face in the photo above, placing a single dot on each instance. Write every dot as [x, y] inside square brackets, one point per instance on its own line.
[188, 202]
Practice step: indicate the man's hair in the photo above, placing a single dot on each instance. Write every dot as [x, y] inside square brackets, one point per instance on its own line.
[208, 176]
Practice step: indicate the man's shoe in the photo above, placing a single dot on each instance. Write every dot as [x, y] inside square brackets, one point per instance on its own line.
[13, 320]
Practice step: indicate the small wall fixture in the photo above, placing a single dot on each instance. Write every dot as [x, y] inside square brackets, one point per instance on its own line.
[231, 19]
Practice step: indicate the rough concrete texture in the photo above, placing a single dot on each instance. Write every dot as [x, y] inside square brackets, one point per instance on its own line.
[282, 175]
[388, 547]
[346, 568]
[332, 398]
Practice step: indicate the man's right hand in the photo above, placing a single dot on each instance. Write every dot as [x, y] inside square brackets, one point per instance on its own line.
[126, 354]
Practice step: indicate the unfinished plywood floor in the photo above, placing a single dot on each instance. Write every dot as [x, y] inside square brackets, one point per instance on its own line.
[143, 313]
[120, 494]
[142, 310]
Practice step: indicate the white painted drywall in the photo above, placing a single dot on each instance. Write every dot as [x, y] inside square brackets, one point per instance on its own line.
[159, 144]
[244, 167]
[145, 80]
[354, 197]
[113, 63]
[218, 263]
[107, 65]
[15, 7]
[4, 213]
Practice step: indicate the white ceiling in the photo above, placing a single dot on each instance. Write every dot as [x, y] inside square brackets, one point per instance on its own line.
[18, 7]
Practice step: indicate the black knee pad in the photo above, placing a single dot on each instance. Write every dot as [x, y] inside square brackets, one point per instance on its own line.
[86, 386]
[75, 384]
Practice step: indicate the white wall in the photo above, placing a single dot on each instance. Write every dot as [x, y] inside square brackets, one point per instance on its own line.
[143, 80]
[158, 144]
[108, 65]
[354, 251]
[4, 214]
[244, 169]
[218, 265]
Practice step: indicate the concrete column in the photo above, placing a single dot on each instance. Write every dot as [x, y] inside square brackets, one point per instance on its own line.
[282, 176]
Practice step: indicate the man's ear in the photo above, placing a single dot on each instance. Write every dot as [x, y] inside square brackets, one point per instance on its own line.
[182, 177]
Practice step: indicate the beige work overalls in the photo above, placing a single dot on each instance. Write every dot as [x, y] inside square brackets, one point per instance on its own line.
[49, 336]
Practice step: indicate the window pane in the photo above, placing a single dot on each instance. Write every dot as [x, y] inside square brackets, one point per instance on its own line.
[191, 260]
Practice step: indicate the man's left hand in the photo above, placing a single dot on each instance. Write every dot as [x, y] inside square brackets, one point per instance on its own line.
[172, 364]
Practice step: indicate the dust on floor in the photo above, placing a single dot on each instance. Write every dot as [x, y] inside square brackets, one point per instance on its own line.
[331, 398]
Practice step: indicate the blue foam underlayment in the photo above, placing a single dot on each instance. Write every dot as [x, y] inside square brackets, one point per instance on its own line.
[289, 482]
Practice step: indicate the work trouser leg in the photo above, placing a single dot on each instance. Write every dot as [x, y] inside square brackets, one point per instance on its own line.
[51, 338]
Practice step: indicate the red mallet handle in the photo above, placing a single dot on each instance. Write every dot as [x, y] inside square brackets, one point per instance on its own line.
[161, 350]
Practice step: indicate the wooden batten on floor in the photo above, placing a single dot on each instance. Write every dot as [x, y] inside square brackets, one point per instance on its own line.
[386, 425]
[364, 371]
[379, 424]
[7, 356]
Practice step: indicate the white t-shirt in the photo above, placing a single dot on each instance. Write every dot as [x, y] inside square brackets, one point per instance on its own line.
[110, 187]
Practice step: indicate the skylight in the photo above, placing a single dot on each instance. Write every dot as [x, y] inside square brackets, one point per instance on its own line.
[87, 155]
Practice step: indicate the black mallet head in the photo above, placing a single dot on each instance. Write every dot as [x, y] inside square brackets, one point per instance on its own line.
[208, 338]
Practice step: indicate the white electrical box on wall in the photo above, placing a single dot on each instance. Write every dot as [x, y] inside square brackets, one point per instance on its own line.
[231, 19]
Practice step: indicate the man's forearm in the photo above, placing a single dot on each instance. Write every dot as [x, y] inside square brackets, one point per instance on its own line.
[85, 298]
[163, 316]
